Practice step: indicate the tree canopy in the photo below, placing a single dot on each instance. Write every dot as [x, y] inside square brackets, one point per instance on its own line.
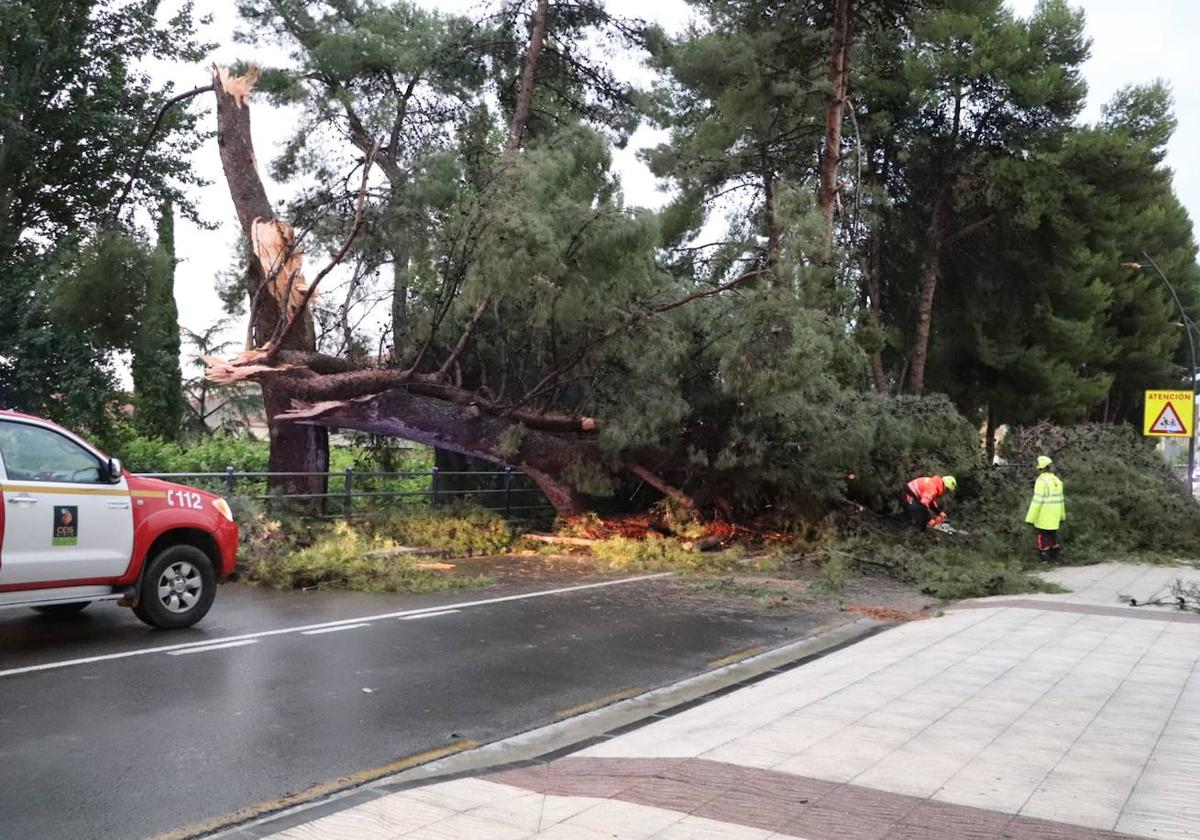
[883, 213]
[77, 157]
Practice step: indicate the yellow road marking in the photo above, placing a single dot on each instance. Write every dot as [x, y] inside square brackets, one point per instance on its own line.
[64, 491]
[317, 791]
[599, 702]
[737, 656]
[82, 491]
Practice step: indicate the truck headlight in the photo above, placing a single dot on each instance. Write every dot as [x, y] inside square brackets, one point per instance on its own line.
[223, 507]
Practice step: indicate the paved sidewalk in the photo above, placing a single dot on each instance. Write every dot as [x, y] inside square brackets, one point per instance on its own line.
[1064, 716]
[1108, 584]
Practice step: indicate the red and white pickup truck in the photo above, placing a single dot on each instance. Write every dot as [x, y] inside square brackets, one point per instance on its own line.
[78, 528]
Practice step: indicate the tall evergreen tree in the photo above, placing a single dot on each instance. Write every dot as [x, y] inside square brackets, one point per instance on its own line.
[743, 98]
[75, 114]
[157, 378]
[1048, 323]
[985, 89]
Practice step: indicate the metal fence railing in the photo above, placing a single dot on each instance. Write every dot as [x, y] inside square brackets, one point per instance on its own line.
[351, 492]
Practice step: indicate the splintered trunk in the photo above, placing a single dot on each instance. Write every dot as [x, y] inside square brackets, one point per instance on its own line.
[293, 448]
[835, 110]
[935, 239]
[448, 426]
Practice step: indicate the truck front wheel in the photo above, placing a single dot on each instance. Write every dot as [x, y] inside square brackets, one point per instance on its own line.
[178, 586]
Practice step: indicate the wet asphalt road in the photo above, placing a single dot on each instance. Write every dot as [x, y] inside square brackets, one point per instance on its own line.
[133, 745]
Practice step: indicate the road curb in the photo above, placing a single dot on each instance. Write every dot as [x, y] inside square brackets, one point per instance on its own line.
[544, 743]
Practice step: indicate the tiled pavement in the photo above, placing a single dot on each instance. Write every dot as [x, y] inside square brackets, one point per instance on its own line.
[1064, 716]
[1100, 585]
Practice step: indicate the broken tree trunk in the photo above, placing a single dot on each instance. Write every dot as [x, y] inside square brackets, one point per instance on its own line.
[274, 284]
[423, 402]
[542, 455]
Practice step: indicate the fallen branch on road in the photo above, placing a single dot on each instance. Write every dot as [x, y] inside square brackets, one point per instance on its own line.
[554, 539]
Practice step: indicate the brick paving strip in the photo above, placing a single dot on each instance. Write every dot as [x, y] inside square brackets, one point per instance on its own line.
[784, 803]
[1146, 614]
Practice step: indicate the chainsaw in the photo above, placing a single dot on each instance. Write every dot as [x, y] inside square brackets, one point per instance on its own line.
[940, 524]
[949, 529]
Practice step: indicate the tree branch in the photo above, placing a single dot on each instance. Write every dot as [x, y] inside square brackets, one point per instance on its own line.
[463, 339]
[273, 347]
[119, 204]
[716, 290]
[658, 484]
[969, 229]
[549, 379]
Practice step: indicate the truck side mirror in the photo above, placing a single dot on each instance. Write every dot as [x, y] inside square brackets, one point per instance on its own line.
[114, 470]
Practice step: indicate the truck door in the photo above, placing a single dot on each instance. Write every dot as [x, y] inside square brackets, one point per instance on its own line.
[64, 522]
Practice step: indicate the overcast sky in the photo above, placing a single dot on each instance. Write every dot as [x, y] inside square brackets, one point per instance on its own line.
[1133, 42]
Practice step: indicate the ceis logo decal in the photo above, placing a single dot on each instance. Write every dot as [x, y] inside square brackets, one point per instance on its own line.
[66, 525]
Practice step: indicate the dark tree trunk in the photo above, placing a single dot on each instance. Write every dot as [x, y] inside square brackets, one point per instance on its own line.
[293, 448]
[773, 224]
[835, 110]
[874, 280]
[459, 477]
[543, 456]
[524, 104]
[934, 239]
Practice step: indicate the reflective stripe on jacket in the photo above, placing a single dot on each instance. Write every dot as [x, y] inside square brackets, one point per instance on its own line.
[927, 488]
[1048, 509]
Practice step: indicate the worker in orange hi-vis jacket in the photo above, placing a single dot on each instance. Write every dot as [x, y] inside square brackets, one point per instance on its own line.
[920, 497]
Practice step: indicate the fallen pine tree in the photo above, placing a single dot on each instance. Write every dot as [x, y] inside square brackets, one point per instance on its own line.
[605, 378]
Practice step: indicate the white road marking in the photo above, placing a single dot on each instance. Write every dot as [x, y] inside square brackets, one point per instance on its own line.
[427, 615]
[207, 648]
[333, 629]
[66, 663]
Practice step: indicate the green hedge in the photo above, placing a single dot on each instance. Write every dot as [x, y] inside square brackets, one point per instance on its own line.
[912, 436]
[1122, 500]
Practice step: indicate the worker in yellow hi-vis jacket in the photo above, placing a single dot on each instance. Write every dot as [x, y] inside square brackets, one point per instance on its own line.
[1047, 510]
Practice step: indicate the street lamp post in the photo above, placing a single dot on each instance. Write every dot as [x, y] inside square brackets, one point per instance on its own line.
[1188, 326]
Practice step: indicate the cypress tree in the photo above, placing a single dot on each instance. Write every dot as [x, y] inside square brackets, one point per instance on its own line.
[157, 379]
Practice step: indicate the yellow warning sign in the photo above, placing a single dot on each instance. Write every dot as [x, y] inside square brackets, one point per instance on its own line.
[1168, 414]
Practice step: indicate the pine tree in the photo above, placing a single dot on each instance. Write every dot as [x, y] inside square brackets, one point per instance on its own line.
[744, 102]
[1048, 324]
[983, 89]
